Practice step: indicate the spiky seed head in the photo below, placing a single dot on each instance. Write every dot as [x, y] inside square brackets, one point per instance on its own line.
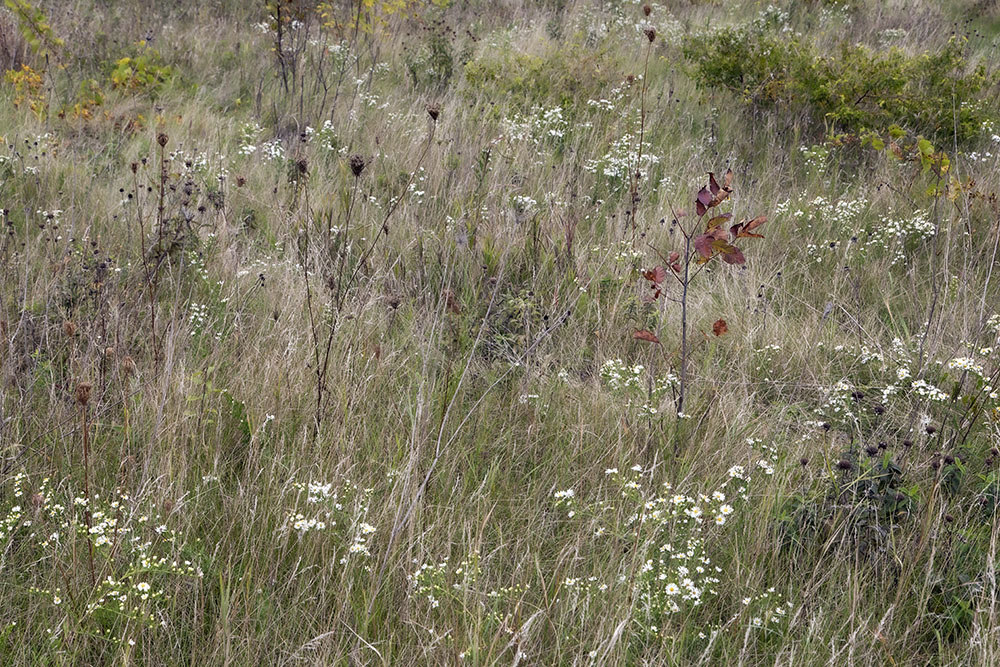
[357, 164]
[83, 393]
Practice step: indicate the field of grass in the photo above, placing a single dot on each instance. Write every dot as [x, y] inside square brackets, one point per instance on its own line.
[568, 332]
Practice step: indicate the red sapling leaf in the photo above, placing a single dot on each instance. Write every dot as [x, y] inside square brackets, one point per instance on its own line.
[713, 184]
[673, 257]
[733, 255]
[719, 327]
[655, 275]
[703, 244]
[648, 336]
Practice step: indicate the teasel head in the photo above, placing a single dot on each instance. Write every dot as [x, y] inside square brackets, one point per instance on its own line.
[83, 393]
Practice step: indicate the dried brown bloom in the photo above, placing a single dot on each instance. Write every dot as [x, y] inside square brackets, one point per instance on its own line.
[650, 34]
[357, 164]
[931, 430]
[162, 139]
[302, 165]
[646, 10]
[69, 328]
[434, 110]
[83, 393]
[109, 352]
[135, 167]
[844, 464]
[128, 365]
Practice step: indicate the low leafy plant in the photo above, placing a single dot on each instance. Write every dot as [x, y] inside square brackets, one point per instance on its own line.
[855, 90]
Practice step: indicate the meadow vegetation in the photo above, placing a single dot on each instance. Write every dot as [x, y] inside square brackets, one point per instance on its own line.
[499, 332]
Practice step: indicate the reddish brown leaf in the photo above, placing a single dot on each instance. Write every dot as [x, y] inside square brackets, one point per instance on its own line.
[648, 336]
[700, 208]
[657, 274]
[755, 223]
[734, 256]
[676, 267]
[713, 185]
[703, 244]
[719, 327]
[704, 196]
[673, 257]
[727, 180]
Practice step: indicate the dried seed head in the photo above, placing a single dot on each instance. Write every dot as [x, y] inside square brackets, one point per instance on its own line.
[109, 352]
[948, 518]
[69, 328]
[128, 365]
[357, 164]
[650, 33]
[162, 139]
[804, 461]
[434, 110]
[949, 459]
[83, 393]
[907, 443]
[646, 10]
[302, 166]
[871, 450]
[844, 464]
[931, 429]
[135, 167]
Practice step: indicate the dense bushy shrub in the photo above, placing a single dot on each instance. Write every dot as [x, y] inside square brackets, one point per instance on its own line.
[855, 90]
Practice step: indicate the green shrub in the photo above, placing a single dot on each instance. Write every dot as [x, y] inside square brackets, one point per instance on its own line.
[856, 90]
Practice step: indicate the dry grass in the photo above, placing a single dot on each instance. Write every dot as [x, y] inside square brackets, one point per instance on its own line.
[465, 385]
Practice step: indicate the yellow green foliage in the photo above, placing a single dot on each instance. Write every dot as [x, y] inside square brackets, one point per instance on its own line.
[27, 85]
